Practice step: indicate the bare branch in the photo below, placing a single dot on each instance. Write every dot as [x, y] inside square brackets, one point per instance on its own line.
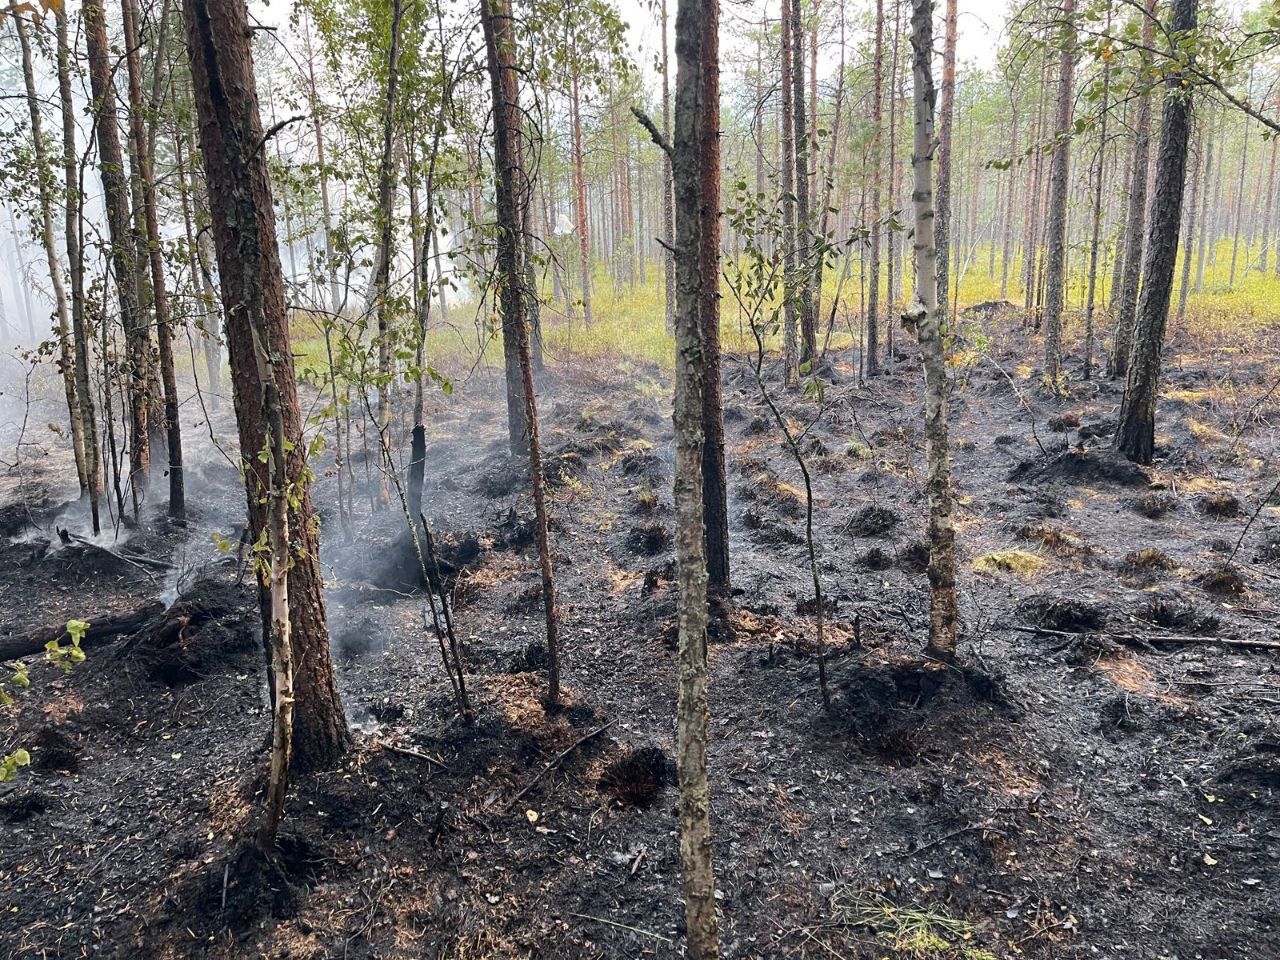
[654, 132]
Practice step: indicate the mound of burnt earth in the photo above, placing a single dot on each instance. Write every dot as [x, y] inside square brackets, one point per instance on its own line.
[990, 310]
[1220, 504]
[1155, 505]
[1225, 581]
[913, 558]
[395, 565]
[648, 540]
[215, 620]
[242, 888]
[904, 709]
[873, 521]
[1091, 467]
[53, 748]
[768, 530]
[640, 461]
[1066, 614]
[1175, 611]
[509, 476]
[1095, 429]
[1255, 770]
[638, 776]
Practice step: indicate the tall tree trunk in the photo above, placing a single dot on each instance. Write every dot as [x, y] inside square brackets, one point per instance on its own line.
[512, 183]
[804, 215]
[580, 199]
[386, 234]
[1268, 188]
[694, 19]
[668, 214]
[1135, 434]
[1218, 208]
[257, 324]
[1056, 267]
[946, 124]
[199, 274]
[892, 238]
[824, 175]
[159, 291]
[74, 196]
[1127, 305]
[418, 443]
[317, 126]
[1204, 238]
[714, 481]
[790, 342]
[1240, 204]
[116, 200]
[872, 352]
[925, 318]
[1188, 236]
[275, 579]
[1032, 257]
[66, 345]
[1096, 228]
[1010, 204]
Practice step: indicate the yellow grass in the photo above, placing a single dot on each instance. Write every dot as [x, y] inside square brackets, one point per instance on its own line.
[629, 324]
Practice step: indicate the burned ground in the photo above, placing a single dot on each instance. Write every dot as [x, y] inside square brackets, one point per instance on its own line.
[1100, 776]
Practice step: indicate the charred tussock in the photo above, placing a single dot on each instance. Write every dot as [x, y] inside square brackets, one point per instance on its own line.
[903, 710]
[1223, 581]
[913, 557]
[1155, 505]
[765, 489]
[637, 776]
[1056, 539]
[1176, 612]
[1104, 467]
[1147, 564]
[1220, 504]
[878, 558]
[1062, 613]
[210, 626]
[873, 520]
[648, 540]
[768, 529]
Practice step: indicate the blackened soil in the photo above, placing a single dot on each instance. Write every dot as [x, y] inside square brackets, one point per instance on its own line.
[1096, 777]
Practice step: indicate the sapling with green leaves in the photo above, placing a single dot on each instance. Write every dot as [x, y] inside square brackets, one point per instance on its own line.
[63, 655]
[756, 282]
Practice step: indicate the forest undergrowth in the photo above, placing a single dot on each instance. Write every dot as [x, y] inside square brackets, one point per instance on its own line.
[1099, 773]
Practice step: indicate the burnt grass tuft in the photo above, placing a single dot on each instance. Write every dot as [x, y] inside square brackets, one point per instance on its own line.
[1173, 611]
[1062, 613]
[1147, 559]
[1220, 505]
[1055, 539]
[914, 558]
[876, 558]
[1222, 581]
[637, 777]
[873, 520]
[648, 540]
[1155, 505]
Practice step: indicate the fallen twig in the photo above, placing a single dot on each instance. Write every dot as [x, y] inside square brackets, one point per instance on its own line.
[410, 752]
[1158, 638]
[555, 762]
[622, 926]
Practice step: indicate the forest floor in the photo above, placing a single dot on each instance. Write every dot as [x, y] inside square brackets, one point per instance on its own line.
[1100, 776]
